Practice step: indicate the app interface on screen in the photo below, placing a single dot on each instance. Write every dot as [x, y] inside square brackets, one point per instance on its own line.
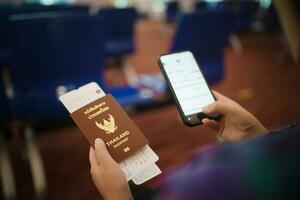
[187, 81]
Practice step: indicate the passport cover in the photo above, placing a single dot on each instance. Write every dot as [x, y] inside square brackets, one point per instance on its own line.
[106, 119]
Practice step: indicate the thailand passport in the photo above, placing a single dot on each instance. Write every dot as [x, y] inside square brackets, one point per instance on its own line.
[106, 119]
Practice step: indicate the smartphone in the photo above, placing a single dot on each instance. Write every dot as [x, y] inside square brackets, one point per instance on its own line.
[188, 86]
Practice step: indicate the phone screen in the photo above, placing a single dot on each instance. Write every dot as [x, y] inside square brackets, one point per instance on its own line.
[187, 82]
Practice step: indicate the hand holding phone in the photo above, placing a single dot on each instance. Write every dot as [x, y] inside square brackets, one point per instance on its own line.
[188, 86]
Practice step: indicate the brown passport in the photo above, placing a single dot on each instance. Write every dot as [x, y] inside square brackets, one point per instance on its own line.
[106, 119]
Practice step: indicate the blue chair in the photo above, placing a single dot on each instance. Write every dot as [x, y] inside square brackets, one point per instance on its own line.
[205, 34]
[58, 51]
[50, 50]
[25, 10]
[119, 30]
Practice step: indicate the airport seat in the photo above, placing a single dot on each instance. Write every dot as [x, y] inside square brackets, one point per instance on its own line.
[27, 10]
[56, 51]
[119, 30]
[59, 51]
[50, 53]
[172, 11]
[205, 34]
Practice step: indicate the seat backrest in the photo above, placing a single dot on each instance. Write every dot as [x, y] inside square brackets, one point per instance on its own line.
[119, 22]
[51, 52]
[204, 33]
[56, 51]
[26, 10]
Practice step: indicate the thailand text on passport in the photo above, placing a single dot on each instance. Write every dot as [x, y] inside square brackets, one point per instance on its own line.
[106, 119]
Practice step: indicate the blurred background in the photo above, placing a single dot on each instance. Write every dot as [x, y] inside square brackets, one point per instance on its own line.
[249, 51]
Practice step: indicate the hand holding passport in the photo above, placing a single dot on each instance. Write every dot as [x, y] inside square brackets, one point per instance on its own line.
[100, 116]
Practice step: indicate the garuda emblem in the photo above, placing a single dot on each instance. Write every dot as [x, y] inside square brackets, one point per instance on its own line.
[108, 126]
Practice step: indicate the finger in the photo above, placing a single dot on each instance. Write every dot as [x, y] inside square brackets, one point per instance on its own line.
[217, 107]
[218, 95]
[211, 123]
[221, 98]
[93, 160]
[102, 155]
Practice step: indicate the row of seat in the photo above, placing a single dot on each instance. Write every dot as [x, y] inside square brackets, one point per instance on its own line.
[44, 52]
[69, 50]
[58, 51]
[119, 36]
[206, 35]
[53, 50]
[245, 12]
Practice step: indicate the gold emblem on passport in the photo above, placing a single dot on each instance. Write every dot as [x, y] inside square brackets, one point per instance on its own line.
[108, 126]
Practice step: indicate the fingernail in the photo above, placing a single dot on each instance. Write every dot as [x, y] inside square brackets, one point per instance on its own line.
[98, 141]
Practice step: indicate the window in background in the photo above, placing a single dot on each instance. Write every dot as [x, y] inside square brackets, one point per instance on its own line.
[121, 3]
[265, 3]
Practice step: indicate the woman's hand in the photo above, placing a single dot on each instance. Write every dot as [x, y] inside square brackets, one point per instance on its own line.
[236, 122]
[107, 175]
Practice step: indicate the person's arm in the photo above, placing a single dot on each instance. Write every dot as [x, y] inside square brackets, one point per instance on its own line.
[107, 175]
[236, 122]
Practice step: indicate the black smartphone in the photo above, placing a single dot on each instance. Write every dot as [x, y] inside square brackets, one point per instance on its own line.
[188, 86]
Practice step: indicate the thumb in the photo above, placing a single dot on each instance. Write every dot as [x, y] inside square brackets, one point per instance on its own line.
[217, 107]
[102, 155]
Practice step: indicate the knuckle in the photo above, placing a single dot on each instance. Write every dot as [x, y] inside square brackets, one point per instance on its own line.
[91, 171]
[94, 171]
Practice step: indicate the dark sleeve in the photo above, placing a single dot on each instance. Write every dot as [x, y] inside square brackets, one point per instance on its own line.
[261, 168]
